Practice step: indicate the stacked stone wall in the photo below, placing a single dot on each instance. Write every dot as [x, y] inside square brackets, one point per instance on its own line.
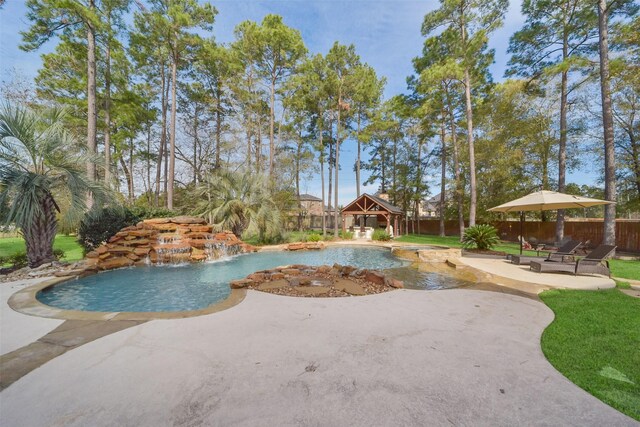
[166, 240]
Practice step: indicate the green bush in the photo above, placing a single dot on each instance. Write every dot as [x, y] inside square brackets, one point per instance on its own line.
[346, 235]
[380, 235]
[481, 236]
[314, 237]
[143, 212]
[98, 226]
[18, 260]
[58, 253]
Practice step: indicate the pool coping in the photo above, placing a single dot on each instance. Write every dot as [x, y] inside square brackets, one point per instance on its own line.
[25, 301]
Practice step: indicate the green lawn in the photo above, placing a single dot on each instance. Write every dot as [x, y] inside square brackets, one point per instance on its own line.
[595, 342]
[70, 246]
[619, 268]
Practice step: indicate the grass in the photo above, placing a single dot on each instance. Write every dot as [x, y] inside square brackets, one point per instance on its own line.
[625, 269]
[69, 244]
[619, 268]
[594, 342]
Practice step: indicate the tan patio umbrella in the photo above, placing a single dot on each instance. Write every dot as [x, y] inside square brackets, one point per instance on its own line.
[546, 201]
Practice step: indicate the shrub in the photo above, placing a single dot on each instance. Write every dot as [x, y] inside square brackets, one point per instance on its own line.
[346, 235]
[380, 235]
[58, 253]
[97, 226]
[18, 260]
[314, 237]
[481, 236]
[143, 212]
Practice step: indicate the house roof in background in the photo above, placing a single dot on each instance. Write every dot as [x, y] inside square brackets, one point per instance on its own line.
[309, 198]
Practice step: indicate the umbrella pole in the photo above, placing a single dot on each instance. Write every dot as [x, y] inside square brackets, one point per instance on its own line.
[521, 230]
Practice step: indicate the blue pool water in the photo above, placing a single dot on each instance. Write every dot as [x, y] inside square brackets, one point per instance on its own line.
[194, 286]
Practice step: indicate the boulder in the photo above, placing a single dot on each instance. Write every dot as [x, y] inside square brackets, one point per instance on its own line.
[314, 245]
[277, 284]
[140, 251]
[117, 262]
[92, 254]
[121, 249]
[295, 246]
[142, 233]
[156, 221]
[276, 276]
[374, 277]
[100, 250]
[257, 277]
[352, 288]
[347, 270]
[240, 283]
[395, 283]
[200, 228]
[290, 271]
[188, 220]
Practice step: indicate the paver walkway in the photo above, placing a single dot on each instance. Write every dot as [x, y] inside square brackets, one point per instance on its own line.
[456, 357]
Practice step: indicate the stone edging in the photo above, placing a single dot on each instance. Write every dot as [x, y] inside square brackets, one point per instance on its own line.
[24, 301]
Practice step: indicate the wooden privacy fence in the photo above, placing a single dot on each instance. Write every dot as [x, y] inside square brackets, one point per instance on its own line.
[627, 231]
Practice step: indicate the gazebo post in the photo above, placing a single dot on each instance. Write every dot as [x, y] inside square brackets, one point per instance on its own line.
[396, 231]
[521, 230]
[388, 216]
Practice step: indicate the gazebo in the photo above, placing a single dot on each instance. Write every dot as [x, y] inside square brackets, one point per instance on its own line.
[373, 206]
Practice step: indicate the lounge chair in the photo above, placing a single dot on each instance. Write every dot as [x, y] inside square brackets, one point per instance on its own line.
[563, 254]
[594, 263]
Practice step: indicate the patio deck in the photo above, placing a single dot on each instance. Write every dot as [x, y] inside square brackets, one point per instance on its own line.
[503, 272]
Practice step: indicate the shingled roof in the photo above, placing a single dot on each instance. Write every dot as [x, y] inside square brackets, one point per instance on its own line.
[383, 204]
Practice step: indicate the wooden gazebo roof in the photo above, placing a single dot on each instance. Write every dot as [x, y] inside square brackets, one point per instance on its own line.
[367, 204]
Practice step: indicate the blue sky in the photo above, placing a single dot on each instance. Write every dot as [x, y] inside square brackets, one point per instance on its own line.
[386, 35]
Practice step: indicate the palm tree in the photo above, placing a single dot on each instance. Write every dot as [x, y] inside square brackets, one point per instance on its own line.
[241, 202]
[38, 163]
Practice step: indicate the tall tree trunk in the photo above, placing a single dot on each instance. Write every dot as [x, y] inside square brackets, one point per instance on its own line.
[416, 212]
[258, 148]
[469, 113]
[40, 233]
[149, 190]
[272, 101]
[393, 173]
[163, 134]
[128, 177]
[443, 172]
[331, 163]
[457, 174]
[132, 193]
[195, 146]
[607, 122]
[218, 123]
[92, 114]
[321, 144]
[635, 153]
[297, 163]
[358, 158]
[472, 155]
[107, 109]
[562, 148]
[172, 154]
[545, 178]
[336, 214]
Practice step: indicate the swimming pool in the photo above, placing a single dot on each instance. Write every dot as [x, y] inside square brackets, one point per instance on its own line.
[193, 286]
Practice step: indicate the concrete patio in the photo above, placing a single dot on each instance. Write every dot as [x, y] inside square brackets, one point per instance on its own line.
[456, 357]
[501, 271]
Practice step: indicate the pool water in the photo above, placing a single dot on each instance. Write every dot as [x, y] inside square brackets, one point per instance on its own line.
[194, 286]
